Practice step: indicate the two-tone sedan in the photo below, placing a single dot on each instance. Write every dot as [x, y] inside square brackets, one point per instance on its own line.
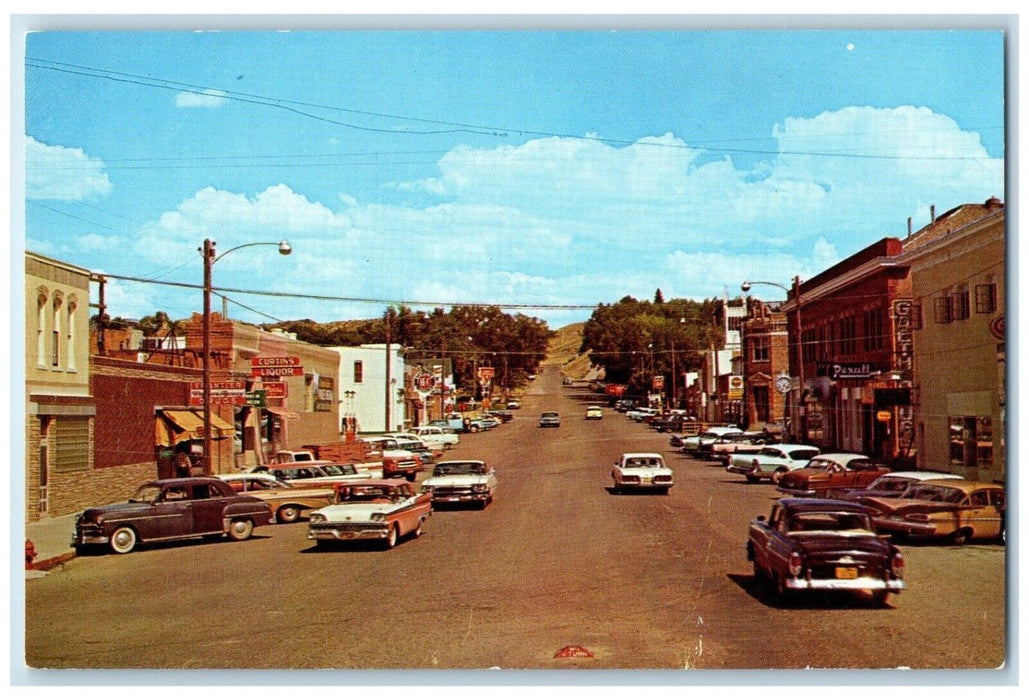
[772, 462]
[377, 509]
[953, 509]
[465, 481]
[827, 473]
[809, 544]
[171, 509]
[637, 471]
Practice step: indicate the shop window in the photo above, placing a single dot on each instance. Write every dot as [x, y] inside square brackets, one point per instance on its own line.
[985, 298]
[971, 441]
[358, 371]
[959, 303]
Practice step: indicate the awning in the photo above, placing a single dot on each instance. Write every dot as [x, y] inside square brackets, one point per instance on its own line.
[280, 411]
[174, 426]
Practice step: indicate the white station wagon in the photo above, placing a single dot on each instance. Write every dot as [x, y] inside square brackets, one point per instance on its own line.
[642, 470]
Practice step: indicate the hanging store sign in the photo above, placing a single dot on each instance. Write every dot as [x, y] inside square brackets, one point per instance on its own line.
[275, 390]
[735, 387]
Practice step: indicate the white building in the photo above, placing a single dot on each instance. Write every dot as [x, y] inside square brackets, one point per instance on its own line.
[372, 387]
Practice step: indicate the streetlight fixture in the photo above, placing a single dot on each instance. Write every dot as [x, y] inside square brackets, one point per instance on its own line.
[210, 258]
[800, 326]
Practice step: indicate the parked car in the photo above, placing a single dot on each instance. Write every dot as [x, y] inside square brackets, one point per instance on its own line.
[513, 404]
[465, 481]
[594, 413]
[284, 456]
[706, 447]
[550, 419]
[171, 509]
[396, 462]
[638, 414]
[623, 405]
[691, 445]
[724, 448]
[315, 474]
[288, 501]
[504, 416]
[772, 462]
[380, 509]
[642, 470]
[437, 436]
[826, 472]
[890, 484]
[810, 544]
[955, 509]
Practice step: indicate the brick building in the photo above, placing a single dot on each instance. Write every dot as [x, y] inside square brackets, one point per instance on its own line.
[765, 355]
[856, 353]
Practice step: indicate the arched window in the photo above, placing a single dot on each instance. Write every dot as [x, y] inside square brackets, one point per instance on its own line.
[55, 349]
[42, 296]
[69, 345]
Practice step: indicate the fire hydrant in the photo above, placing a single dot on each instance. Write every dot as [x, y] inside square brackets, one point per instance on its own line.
[30, 553]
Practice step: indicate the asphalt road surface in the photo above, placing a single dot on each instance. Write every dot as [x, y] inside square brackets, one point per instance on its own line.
[637, 581]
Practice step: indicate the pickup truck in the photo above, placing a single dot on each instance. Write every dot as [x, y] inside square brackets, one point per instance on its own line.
[396, 462]
[468, 422]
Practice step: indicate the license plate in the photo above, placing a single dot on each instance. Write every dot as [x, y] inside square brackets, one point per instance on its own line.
[846, 572]
[346, 535]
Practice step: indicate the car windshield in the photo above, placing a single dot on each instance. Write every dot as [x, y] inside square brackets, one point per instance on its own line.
[932, 492]
[889, 483]
[828, 522]
[147, 493]
[369, 494]
[550, 414]
[820, 464]
[449, 468]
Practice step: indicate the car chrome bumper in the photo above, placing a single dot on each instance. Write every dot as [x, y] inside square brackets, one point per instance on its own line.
[851, 584]
[341, 534]
[79, 540]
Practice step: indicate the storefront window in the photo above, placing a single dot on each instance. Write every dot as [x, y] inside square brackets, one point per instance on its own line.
[971, 441]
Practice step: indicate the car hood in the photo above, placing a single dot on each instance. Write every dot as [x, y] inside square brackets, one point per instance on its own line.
[127, 508]
[455, 480]
[803, 476]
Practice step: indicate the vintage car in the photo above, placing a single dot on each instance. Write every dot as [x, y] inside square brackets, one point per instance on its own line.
[379, 509]
[691, 445]
[828, 471]
[814, 544]
[288, 501]
[642, 470]
[594, 413]
[638, 414]
[396, 462]
[437, 436]
[772, 462]
[728, 446]
[514, 404]
[314, 474]
[465, 481]
[711, 449]
[171, 509]
[550, 419]
[890, 484]
[954, 509]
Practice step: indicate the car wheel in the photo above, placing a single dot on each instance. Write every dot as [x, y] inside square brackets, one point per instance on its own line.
[961, 536]
[392, 537]
[473, 429]
[241, 529]
[417, 531]
[777, 476]
[288, 514]
[123, 540]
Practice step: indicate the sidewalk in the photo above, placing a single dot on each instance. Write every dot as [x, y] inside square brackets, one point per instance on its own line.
[51, 538]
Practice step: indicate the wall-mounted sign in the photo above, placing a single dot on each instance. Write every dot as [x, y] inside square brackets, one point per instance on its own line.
[276, 367]
[883, 416]
[997, 327]
[275, 390]
[324, 396]
[231, 393]
[847, 370]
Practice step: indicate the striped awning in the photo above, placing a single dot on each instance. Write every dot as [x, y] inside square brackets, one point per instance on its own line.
[173, 426]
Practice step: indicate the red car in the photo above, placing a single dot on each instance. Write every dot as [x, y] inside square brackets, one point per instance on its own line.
[827, 473]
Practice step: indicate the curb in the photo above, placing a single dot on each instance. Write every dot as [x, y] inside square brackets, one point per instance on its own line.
[50, 562]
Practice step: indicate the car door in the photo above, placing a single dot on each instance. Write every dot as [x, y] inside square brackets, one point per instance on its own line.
[172, 514]
[982, 515]
[208, 505]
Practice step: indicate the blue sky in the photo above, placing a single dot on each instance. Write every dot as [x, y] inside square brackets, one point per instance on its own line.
[546, 168]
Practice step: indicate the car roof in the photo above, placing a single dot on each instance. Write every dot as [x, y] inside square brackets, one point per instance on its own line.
[637, 455]
[925, 476]
[962, 484]
[373, 482]
[791, 446]
[461, 461]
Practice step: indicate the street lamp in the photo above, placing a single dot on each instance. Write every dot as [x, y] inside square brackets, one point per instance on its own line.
[800, 326]
[210, 258]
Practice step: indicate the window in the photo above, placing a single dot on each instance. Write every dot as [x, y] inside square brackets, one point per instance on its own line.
[358, 371]
[760, 348]
[985, 298]
[69, 345]
[874, 332]
[971, 441]
[916, 316]
[42, 295]
[55, 348]
[959, 303]
[70, 444]
[942, 309]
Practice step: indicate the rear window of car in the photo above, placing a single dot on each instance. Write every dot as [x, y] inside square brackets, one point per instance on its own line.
[803, 454]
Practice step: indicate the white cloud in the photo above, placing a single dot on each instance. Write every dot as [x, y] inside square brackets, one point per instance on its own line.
[65, 174]
[203, 99]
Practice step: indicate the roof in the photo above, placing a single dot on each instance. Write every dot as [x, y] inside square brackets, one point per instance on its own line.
[962, 484]
[819, 504]
[637, 455]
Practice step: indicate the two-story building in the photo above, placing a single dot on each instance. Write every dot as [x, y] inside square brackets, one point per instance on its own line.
[372, 387]
[764, 358]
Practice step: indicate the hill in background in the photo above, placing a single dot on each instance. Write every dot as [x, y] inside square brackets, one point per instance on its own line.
[564, 352]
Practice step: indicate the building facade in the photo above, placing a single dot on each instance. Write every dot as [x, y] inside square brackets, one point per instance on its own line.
[372, 387]
[764, 357]
[856, 352]
[957, 268]
[59, 406]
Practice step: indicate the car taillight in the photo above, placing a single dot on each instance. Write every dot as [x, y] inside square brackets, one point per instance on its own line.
[631, 478]
[898, 564]
[796, 565]
[662, 478]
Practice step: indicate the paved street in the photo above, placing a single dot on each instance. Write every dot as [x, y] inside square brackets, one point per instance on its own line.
[642, 581]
